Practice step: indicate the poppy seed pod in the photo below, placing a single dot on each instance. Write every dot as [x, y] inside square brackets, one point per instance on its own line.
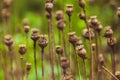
[48, 15]
[82, 16]
[26, 29]
[93, 20]
[117, 74]
[59, 15]
[35, 34]
[108, 32]
[98, 27]
[111, 41]
[22, 49]
[82, 3]
[49, 7]
[5, 13]
[69, 9]
[73, 38]
[28, 66]
[101, 59]
[78, 43]
[8, 40]
[42, 41]
[118, 12]
[7, 3]
[48, 1]
[93, 46]
[86, 34]
[61, 24]
[25, 22]
[81, 52]
[65, 63]
[68, 77]
[59, 50]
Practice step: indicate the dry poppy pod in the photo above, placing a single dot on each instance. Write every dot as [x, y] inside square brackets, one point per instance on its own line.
[59, 50]
[82, 53]
[117, 74]
[26, 29]
[78, 43]
[82, 16]
[94, 20]
[25, 22]
[49, 7]
[65, 63]
[5, 13]
[42, 41]
[35, 34]
[48, 15]
[108, 32]
[28, 66]
[61, 24]
[7, 3]
[86, 34]
[48, 1]
[59, 15]
[111, 41]
[22, 49]
[68, 77]
[101, 59]
[98, 27]
[73, 38]
[118, 12]
[93, 46]
[8, 40]
[82, 3]
[69, 9]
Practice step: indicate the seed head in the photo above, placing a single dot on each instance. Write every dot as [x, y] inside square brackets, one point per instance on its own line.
[101, 59]
[5, 13]
[82, 3]
[26, 29]
[111, 41]
[78, 43]
[49, 7]
[7, 3]
[118, 12]
[8, 40]
[35, 34]
[69, 9]
[117, 74]
[59, 50]
[59, 15]
[28, 66]
[42, 41]
[22, 49]
[82, 16]
[61, 24]
[65, 63]
[94, 20]
[93, 46]
[48, 15]
[49, 1]
[26, 22]
[108, 32]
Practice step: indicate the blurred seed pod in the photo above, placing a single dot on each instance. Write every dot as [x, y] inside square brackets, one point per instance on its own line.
[42, 41]
[22, 49]
[111, 41]
[48, 1]
[7, 3]
[69, 9]
[59, 15]
[25, 22]
[86, 34]
[78, 43]
[118, 12]
[65, 63]
[59, 50]
[82, 3]
[35, 34]
[48, 15]
[93, 20]
[49, 7]
[82, 16]
[26, 29]
[28, 66]
[108, 32]
[61, 24]
[73, 38]
[93, 46]
[5, 13]
[8, 40]
[68, 77]
[101, 59]
[117, 74]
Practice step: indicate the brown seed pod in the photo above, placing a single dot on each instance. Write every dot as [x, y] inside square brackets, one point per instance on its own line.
[49, 1]
[68, 77]
[59, 15]
[28, 66]
[48, 15]
[26, 29]
[65, 63]
[93, 46]
[86, 34]
[25, 22]
[108, 32]
[8, 40]
[82, 3]
[101, 59]
[7, 3]
[117, 74]
[111, 41]
[5, 13]
[69, 9]
[42, 41]
[118, 12]
[93, 20]
[59, 50]
[22, 49]
[49, 7]
[35, 34]
[98, 27]
[78, 43]
[82, 16]
[61, 24]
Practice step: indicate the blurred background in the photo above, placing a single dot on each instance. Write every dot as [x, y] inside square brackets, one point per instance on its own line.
[34, 11]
